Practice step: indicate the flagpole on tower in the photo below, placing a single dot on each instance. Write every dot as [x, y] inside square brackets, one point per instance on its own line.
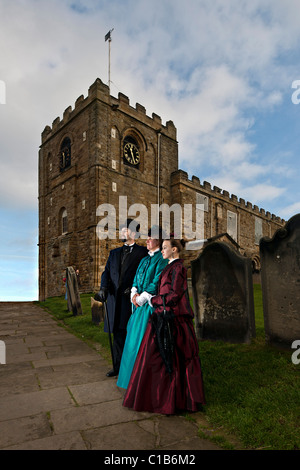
[108, 37]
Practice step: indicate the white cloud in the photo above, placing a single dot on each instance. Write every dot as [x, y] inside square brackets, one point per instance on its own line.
[291, 210]
[263, 192]
[259, 194]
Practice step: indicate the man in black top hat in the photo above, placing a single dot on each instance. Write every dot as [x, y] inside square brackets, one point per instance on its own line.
[116, 282]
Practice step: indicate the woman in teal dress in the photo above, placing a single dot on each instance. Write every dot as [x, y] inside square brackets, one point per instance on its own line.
[144, 286]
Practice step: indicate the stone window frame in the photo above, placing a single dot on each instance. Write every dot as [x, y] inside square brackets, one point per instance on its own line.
[234, 217]
[202, 199]
[65, 154]
[63, 221]
[258, 230]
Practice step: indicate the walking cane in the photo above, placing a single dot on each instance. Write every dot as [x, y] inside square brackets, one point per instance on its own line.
[109, 334]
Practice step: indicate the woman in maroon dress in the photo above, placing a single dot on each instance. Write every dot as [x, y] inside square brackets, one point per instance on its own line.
[167, 375]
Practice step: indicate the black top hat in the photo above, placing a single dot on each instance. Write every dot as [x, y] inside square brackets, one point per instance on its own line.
[131, 224]
[157, 232]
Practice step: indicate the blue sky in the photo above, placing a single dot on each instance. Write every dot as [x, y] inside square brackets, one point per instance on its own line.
[222, 71]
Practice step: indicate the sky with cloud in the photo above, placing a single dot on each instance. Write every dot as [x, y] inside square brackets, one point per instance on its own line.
[221, 70]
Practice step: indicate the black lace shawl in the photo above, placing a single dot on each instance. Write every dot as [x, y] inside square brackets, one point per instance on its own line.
[163, 327]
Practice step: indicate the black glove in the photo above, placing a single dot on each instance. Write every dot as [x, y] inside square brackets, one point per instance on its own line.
[102, 295]
[127, 291]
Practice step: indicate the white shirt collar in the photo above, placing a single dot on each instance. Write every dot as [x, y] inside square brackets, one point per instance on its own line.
[151, 253]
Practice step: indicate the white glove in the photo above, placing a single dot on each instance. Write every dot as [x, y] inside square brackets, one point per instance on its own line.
[143, 298]
[133, 292]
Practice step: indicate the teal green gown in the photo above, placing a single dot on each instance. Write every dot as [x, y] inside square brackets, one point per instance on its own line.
[146, 279]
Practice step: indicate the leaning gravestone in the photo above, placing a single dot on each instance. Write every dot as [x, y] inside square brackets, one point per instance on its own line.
[223, 295]
[280, 281]
[73, 297]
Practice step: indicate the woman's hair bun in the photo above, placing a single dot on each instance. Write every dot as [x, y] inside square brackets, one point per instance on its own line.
[183, 242]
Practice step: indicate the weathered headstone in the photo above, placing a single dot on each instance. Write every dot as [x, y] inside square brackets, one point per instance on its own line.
[280, 281]
[97, 311]
[73, 297]
[223, 295]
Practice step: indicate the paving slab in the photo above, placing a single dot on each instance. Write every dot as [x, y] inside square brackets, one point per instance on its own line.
[94, 392]
[27, 404]
[60, 360]
[55, 394]
[69, 441]
[25, 429]
[133, 438]
[28, 382]
[93, 416]
[83, 373]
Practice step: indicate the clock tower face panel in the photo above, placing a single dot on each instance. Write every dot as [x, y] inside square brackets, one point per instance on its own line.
[131, 152]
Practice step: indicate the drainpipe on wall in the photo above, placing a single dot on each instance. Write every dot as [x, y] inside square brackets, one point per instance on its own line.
[158, 170]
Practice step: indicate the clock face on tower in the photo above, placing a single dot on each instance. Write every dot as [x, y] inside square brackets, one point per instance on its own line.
[131, 153]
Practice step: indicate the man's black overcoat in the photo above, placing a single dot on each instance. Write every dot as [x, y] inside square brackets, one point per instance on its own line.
[118, 304]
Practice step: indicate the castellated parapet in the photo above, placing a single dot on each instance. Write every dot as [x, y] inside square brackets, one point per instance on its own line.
[98, 90]
[181, 176]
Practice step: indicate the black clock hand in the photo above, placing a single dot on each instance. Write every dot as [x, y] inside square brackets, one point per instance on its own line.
[132, 153]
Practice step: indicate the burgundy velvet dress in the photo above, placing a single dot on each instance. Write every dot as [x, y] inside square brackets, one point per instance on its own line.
[151, 387]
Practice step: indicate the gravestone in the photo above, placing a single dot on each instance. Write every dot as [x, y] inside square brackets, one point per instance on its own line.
[97, 311]
[223, 295]
[73, 297]
[280, 282]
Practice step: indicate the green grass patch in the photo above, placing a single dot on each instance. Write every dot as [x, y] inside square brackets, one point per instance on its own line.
[252, 390]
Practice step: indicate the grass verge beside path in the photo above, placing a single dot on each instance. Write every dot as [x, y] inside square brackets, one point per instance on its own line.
[252, 390]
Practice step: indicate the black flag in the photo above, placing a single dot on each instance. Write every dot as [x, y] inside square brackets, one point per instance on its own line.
[108, 36]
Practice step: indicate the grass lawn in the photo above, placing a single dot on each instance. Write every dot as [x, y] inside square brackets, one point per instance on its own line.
[252, 390]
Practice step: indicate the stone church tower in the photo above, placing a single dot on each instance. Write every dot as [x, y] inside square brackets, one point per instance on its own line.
[101, 149]
[104, 149]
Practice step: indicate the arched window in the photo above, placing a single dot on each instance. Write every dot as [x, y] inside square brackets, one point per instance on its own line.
[65, 154]
[64, 221]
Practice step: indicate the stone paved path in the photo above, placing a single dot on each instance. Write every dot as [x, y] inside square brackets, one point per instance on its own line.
[54, 394]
